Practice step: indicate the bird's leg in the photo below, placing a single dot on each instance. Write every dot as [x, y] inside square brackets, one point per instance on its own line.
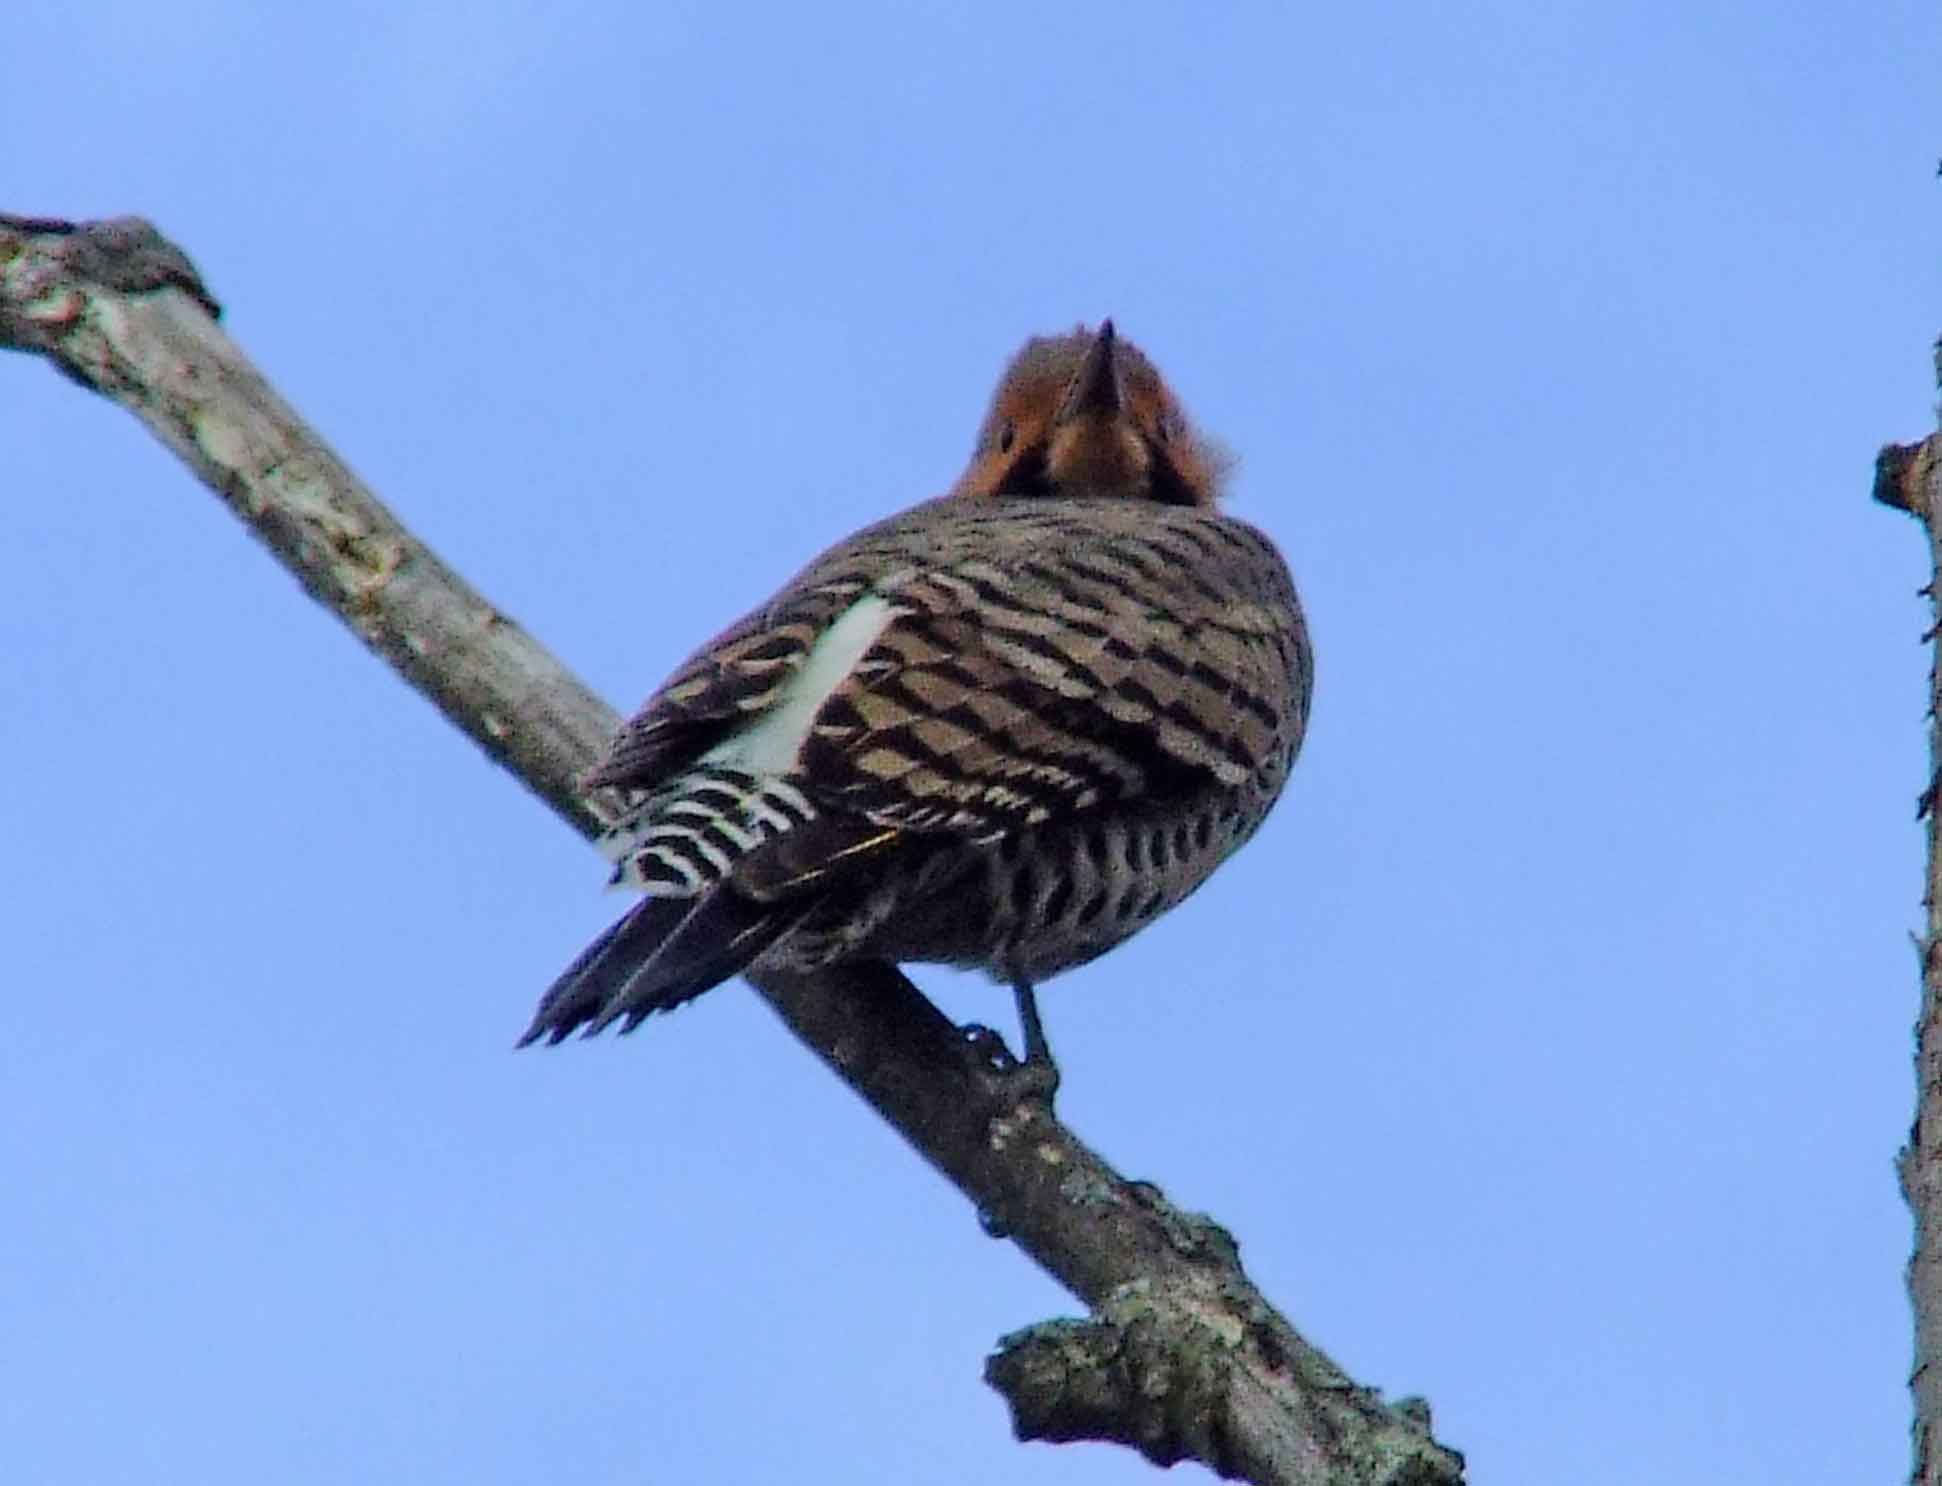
[1037, 1078]
[1037, 1049]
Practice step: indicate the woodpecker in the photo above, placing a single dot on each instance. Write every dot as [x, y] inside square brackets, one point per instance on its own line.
[1003, 730]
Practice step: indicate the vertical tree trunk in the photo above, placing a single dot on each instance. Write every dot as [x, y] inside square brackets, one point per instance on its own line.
[1909, 477]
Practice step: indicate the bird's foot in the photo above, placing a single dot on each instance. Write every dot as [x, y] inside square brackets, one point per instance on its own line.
[987, 1048]
[1005, 1078]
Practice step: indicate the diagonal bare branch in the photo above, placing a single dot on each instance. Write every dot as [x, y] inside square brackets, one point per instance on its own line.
[1181, 1358]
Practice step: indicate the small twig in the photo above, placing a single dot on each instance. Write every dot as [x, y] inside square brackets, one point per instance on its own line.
[1183, 1356]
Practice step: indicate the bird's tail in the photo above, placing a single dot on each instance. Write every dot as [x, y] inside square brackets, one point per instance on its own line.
[732, 862]
[663, 952]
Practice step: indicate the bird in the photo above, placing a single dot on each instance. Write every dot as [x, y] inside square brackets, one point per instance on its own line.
[1004, 729]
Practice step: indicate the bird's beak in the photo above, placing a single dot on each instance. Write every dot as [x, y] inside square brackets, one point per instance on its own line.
[1095, 391]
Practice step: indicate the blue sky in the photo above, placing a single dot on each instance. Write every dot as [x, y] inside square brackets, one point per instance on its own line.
[1548, 1051]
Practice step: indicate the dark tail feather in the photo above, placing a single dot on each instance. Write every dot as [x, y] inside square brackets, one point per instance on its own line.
[584, 986]
[663, 952]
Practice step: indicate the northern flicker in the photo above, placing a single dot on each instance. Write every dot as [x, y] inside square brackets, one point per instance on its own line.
[1006, 729]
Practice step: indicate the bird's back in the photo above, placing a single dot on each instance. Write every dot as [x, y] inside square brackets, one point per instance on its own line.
[1004, 729]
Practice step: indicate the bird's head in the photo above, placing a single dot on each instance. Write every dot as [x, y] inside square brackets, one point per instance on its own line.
[1088, 414]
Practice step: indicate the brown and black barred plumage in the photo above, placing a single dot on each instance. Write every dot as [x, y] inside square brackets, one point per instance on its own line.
[1005, 729]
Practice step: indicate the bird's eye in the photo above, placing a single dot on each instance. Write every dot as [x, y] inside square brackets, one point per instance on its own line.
[1007, 436]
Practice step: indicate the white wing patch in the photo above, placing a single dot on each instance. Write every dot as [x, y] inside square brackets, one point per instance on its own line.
[772, 743]
[737, 795]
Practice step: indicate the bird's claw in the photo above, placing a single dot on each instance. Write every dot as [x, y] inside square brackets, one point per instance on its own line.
[988, 1049]
[1006, 1078]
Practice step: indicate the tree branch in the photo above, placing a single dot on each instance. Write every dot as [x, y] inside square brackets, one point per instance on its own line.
[1182, 1357]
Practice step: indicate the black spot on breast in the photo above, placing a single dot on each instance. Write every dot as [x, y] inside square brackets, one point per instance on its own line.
[1099, 850]
[1061, 898]
[1024, 888]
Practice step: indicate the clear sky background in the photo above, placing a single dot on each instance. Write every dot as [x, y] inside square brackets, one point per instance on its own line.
[1548, 1051]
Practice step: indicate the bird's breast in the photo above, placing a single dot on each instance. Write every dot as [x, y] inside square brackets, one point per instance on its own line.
[1043, 900]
